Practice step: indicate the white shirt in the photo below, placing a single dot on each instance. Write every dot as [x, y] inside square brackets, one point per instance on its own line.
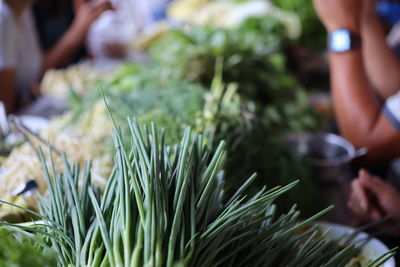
[130, 17]
[391, 109]
[19, 47]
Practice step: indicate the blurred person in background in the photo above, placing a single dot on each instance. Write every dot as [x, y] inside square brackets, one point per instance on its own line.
[22, 60]
[365, 78]
[364, 36]
[53, 18]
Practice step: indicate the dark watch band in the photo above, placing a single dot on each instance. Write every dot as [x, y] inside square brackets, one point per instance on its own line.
[343, 40]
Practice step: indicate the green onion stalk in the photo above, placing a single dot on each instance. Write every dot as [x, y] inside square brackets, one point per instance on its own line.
[164, 206]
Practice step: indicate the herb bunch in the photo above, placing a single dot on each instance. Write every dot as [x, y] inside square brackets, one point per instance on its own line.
[163, 207]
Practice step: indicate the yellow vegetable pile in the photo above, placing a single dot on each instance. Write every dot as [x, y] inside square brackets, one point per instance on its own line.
[89, 138]
[230, 14]
[79, 78]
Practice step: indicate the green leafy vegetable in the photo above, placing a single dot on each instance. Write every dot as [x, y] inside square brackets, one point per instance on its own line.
[313, 33]
[163, 206]
[18, 249]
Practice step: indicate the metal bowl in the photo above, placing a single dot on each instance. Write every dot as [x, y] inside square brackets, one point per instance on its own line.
[324, 149]
[328, 154]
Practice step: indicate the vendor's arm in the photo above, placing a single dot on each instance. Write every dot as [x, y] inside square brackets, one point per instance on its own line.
[76, 35]
[7, 89]
[78, 4]
[381, 63]
[357, 109]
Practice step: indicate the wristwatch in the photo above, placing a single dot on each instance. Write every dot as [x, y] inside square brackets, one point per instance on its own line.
[343, 40]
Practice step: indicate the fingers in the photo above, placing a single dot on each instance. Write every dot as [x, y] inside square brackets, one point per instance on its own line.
[360, 201]
[97, 7]
[354, 206]
[383, 197]
[371, 197]
[90, 11]
[102, 6]
[372, 183]
[364, 173]
[359, 195]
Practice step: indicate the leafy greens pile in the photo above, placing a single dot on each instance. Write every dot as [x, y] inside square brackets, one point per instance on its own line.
[150, 93]
[252, 102]
[313, 33]
[253, 56]
[271, 102]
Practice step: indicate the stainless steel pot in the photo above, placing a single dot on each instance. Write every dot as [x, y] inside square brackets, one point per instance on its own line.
[328, 154]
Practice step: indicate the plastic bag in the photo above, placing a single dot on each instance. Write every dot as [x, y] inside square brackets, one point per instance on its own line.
[112, 33]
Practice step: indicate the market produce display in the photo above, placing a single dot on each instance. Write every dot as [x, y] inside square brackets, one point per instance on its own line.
[151, 93]
[75, 80]
[230, 83]
[88, 138]
[163, 206]
[156, 93]
[218, 85]
[231, 14]
[271, 101]
[252, 55]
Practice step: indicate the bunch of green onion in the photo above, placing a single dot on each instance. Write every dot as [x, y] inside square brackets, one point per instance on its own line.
[162, 206]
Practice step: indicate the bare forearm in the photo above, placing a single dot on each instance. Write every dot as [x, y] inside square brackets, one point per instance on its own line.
[78, 4]
[356, 106]
[358, 111]
[65, 48]
[8, 89]
[76, 35]
[381, 63]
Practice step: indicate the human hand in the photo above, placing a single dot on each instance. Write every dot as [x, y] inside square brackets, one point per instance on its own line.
[339, 14]
[372, 198]
[87, 14]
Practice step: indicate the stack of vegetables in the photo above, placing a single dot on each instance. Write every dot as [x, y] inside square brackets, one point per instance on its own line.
[168, 200]
[252, 102]
[267, 104]
[162, 206]
[75, 80]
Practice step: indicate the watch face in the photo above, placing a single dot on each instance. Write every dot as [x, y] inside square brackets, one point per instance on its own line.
[340, 41]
